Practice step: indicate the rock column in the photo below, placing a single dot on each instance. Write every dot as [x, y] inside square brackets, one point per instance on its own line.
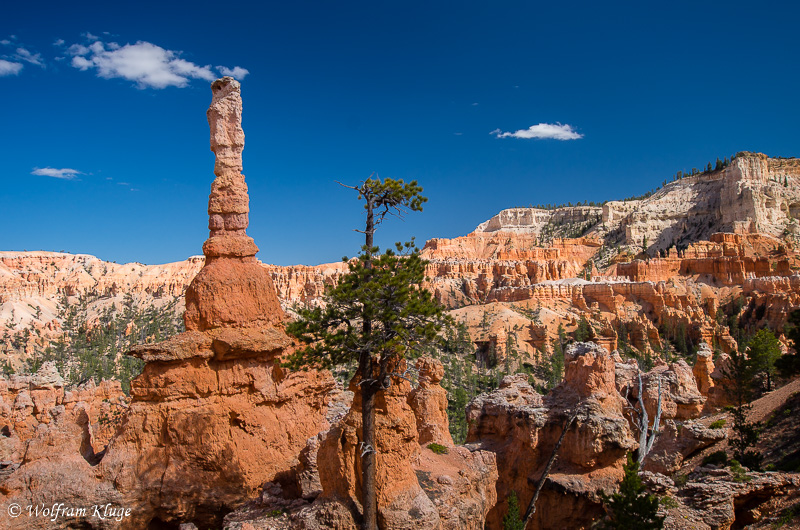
[232, 289]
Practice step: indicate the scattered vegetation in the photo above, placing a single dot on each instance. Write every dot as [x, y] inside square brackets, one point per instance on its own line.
[763, 351]
[439, 449]
[93, 347]
[718, 424]
[632, 506]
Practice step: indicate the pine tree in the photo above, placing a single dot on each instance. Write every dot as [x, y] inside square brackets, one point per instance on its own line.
[632, 508]
[376, 315]
[557, 363]
[584, 332]
[512, 519]
[745, 433]
[763, 350]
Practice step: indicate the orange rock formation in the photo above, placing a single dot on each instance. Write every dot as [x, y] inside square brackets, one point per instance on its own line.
[213, 416]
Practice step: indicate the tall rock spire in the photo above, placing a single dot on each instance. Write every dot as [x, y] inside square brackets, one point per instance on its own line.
[232, 289]
[228, 204]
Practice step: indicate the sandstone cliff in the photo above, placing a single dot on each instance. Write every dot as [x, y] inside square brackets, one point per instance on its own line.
[755, 193]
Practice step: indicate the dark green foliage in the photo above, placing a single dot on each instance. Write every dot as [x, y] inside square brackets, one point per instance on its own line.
[745, 437]
[632, 507]
[7, 369]
[512, 520]
[551, 367]
[681, 339]
[405, 317]
[789, 463]
[763, 350]
[584, 332]
[439, 449]
[787, 515]
[717, 458]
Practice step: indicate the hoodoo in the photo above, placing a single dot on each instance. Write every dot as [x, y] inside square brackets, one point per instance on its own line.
[213, 416]
[232, 289]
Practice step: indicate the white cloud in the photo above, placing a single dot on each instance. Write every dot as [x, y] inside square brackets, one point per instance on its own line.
[146, 64]
[9, 68]
[25, 55]
[237, 72]
[11, 63]
[554, 131]
[77, 49]
[65, 173]
[58, 42]
[81, 63]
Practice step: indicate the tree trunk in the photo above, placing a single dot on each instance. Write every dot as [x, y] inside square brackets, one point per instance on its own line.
[369, 388]
[532, 505]
[369, 494]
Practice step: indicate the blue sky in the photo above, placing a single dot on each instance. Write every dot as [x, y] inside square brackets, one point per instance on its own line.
[487, 106]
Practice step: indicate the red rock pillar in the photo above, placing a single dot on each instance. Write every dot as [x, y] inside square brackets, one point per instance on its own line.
[232, 289]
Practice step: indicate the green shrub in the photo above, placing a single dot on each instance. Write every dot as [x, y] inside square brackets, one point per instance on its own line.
[717, 424]
[717, 458]
[668, 502]
[739, 474]
[437, 448]
[680, 479]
